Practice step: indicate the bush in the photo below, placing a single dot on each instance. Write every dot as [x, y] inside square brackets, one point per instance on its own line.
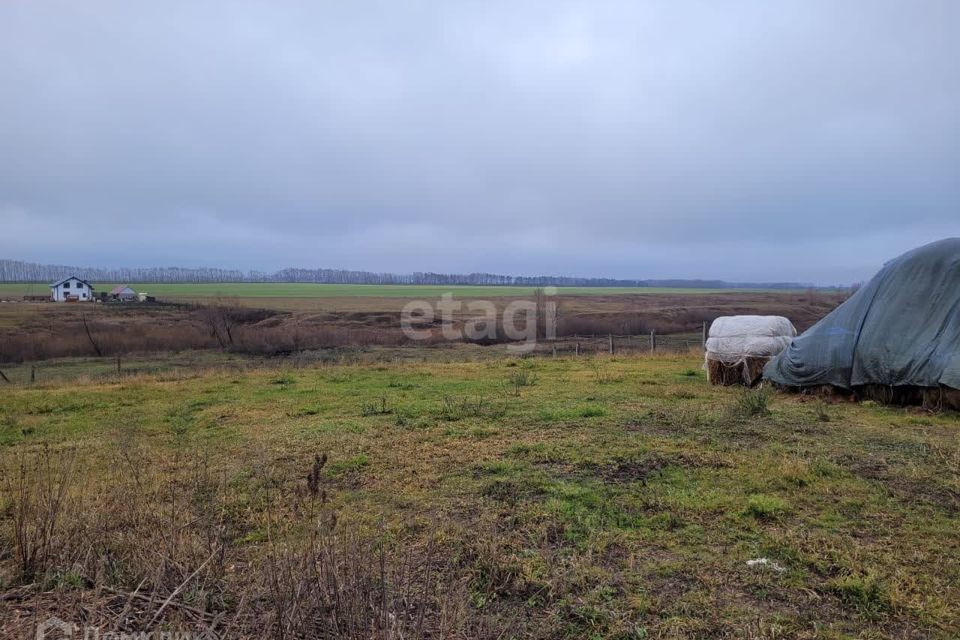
[454, 409]
[376, 407]
[754, 403]
[521, 378]
[402, 417]
[820, 409]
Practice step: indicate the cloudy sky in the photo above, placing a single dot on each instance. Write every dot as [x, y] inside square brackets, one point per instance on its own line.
[805, 140]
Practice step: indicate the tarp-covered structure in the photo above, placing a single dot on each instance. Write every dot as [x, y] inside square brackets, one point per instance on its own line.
[738, 347]
[901, 330]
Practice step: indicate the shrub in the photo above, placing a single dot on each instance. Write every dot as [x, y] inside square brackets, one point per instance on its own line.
[820, 410]
[603, 377]
[753, 404]
[521, 378]
[376, 407]
[38, 497]
[454, 409]
[402, 417]
[284, 380]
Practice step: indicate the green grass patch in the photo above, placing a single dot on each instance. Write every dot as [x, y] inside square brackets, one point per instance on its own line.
[764, 507]
[350, 465]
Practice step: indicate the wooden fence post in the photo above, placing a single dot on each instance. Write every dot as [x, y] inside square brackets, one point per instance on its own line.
[578, 349]
[611, 343]
[653, 340]
[118, 365]
[33, 374]
[704, 341]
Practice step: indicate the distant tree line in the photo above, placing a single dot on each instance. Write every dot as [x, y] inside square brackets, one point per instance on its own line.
[18, 271]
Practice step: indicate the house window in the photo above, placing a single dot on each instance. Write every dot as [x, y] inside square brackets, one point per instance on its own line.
[66, 285]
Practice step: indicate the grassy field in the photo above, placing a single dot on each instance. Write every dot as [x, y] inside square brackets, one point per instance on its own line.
[307, 290]
[588, 497]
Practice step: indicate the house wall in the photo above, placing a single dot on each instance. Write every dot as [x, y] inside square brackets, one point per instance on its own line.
[77, 288]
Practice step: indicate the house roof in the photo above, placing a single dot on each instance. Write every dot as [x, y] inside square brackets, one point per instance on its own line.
[121, 289]
[62, 280]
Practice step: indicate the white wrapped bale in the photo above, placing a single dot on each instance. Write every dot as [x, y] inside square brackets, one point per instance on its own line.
[738, 347]
[733, 349]
[734, 326]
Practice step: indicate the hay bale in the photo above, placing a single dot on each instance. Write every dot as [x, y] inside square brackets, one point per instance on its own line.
[883, 394]
[753, 369]
[747, 372]
[950, 398]
[739, 347]
[933, 398]
[721, 374]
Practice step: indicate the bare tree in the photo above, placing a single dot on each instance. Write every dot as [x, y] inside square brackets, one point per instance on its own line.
[217, 319]
[96, 347]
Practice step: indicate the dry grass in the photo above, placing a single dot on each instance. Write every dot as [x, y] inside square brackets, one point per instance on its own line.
[69, 331]
[158, 546]
[33, 332]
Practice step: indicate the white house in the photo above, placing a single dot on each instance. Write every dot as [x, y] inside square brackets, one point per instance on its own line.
[71, 289]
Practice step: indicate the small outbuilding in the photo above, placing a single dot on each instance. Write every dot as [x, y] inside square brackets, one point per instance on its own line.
[71, 289]
[738, 347]
[123, 293]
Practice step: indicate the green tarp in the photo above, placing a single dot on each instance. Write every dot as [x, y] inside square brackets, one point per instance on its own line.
[900, 329]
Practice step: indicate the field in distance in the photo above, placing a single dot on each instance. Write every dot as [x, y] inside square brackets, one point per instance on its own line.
[345, 315]
[312, 290]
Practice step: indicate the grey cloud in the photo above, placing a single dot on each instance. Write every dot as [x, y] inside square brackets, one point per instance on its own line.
[803, 140]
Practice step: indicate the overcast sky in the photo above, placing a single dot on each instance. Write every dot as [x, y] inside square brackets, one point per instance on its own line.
[806, 140]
